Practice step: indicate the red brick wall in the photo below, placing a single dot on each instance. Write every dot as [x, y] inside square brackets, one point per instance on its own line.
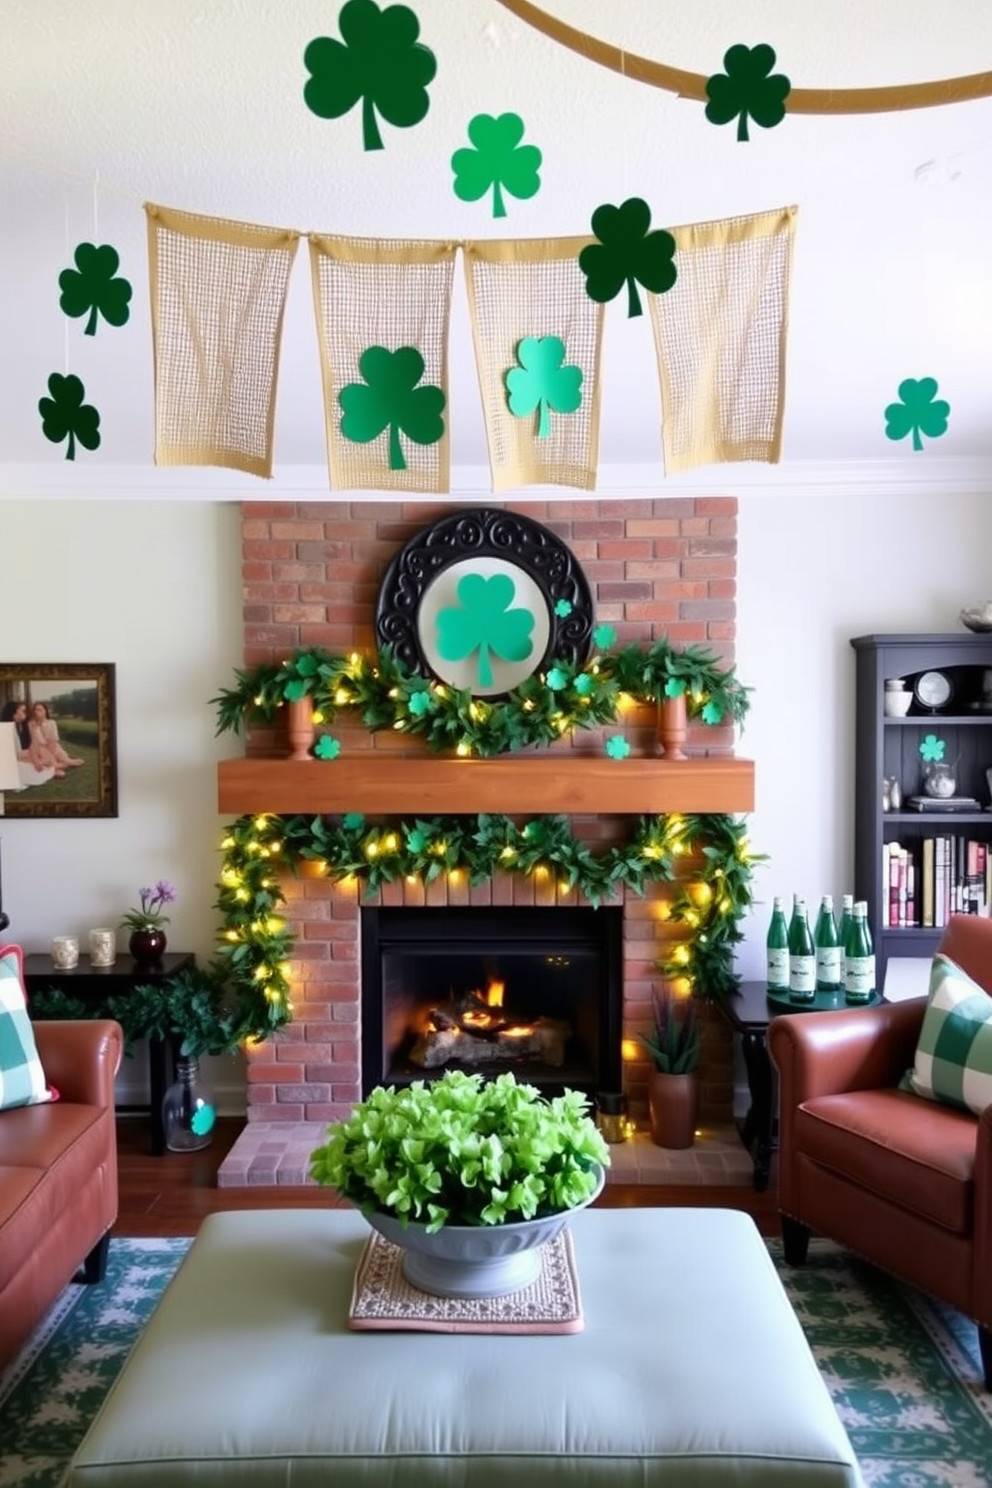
[311, 574]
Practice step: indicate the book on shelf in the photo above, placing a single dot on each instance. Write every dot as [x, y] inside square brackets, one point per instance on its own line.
[925, 883]
[943, 803]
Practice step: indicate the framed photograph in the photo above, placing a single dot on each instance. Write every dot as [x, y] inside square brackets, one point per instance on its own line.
[58, 749]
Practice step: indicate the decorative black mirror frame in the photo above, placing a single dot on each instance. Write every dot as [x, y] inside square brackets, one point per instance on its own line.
[483, 532]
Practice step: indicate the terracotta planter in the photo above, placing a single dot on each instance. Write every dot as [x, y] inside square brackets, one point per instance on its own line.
[673, 1101]
[673, 726]
[300, 729]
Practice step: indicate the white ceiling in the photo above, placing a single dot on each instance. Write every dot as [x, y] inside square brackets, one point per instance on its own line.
[198, 104]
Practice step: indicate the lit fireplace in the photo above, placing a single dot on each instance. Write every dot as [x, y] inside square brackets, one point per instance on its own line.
[535, 991]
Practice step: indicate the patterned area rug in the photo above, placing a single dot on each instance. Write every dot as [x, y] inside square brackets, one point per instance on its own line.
[904, 1372]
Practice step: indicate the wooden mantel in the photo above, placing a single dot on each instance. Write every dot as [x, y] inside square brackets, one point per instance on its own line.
[573, 785]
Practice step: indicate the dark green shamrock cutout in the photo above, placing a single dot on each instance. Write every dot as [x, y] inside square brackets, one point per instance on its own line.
[627, 252]
[391, 400]
[747, 88]
[483, 621]
[498, 160]
[353, 821]
[380, 61]
[918, 413]
[420, 703]
[65, 416]
[93, 286]
[541, 382]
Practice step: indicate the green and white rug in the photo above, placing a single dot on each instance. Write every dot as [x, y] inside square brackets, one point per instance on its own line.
[904, 1372]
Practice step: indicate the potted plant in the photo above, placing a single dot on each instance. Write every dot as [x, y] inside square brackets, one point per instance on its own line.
[147, 939]
[673, 1089]
[469, 1176]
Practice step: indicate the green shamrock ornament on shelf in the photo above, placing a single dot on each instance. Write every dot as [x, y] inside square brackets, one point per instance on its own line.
[541, 382]
[919, 412]
[327, 748]
[65, 415]
[390, 399]
[498, 162]
[483, 621]
[379, 60]
[931, 749]
[748, 88]
[627, 253]
[93, 286]
[617, 747]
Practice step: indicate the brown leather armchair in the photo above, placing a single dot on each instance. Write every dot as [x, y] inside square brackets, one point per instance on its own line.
[905, 1182]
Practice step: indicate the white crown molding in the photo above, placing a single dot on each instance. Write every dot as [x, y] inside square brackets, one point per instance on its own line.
[82, 482]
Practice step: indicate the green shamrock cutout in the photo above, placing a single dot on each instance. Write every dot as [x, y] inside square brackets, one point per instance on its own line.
[931, 749]
[540, 381]
[416, 839]
[617, 747]
[674, 687]
[379, 61]
[65, 416]
[711, 713]
[92, 285]
[556, 679]
[498, 160]
[584, 684]
[747, 88]
[327, 748]
[391, 400]
[483, 621]
[202, 1122]
[563, 608]
[918, 413]
[604, 636]
[420, 703]
[353, 821]
[627, 253]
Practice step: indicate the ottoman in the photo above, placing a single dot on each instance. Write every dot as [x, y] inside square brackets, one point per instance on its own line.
[692, 1370]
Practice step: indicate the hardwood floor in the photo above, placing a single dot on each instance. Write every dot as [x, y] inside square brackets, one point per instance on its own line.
[170, 1195]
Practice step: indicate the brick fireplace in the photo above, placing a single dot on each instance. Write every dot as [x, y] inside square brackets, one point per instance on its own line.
[311, 574]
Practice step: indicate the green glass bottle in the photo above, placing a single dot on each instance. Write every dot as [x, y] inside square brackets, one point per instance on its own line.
[858, 976]
[802, 957]
[844, 930]
[827, 948]
[777, 946]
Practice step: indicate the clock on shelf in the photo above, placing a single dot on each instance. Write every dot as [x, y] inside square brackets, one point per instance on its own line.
[933, 690]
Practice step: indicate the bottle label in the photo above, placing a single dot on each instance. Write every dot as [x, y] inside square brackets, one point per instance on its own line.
[828, 968]
[859, 980]
[777, 973]
[802, 977]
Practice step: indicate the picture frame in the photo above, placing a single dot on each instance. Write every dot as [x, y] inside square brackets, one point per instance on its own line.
[69, 770]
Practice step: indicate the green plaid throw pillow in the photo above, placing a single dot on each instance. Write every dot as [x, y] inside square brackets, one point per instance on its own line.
[22, 1079]
[954, 1054]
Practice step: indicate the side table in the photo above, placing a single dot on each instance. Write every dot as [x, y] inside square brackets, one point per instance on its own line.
[749, 1012]
[93, 984]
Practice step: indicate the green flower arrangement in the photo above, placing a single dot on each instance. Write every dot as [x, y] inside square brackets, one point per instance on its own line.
[462, 1150]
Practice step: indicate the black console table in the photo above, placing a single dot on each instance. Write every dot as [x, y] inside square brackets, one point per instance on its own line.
[93, 984]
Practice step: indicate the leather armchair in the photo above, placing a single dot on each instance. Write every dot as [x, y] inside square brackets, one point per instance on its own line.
[903, 1181]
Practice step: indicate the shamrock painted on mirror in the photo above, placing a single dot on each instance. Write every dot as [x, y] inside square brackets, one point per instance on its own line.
[931, 749]
[541, 382]
[390, 399]
[497, 161]
[617, 747]
[918, 412]
[65, 415]
[327, 748]
[627, 253]
[93, 286]
[379, 61]
[748, 88]
[483, 621]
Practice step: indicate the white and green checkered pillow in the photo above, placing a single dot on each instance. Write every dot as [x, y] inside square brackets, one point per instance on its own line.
[22, 1079]
[954, 1054]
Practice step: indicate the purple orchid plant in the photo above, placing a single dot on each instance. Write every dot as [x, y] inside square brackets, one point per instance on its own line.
[150, 916]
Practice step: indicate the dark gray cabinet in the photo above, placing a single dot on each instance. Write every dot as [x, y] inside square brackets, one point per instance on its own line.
[890, 747]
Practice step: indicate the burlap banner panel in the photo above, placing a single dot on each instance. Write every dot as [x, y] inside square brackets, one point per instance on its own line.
[535, 288]
[372, 292]
[218, 293]
[720, 340]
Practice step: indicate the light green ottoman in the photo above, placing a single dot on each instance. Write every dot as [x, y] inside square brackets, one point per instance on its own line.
[692, 1370]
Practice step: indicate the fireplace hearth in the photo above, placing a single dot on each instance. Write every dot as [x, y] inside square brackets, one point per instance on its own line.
[537, 991]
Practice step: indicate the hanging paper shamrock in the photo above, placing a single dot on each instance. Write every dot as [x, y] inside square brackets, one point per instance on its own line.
[93, 286]
[390, 399]
[498, 160]
[540, 381]
[380, 62]
[482, 621]
[931, 749]
[65, 415]
[327, 748]
[627, 252]
[918, 413]
[617, 747]
[604, 636]
[563, 608]
[747, 88]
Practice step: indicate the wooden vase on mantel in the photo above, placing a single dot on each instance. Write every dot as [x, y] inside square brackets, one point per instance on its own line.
[300, 728]
[673, 726]
[673, 1103]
